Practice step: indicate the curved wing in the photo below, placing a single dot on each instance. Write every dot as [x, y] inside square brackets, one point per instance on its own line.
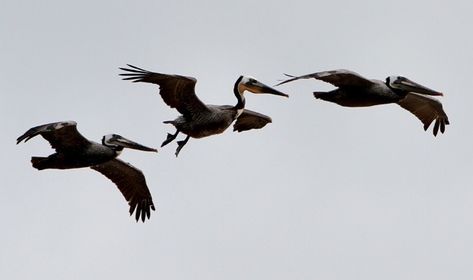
[338, 78]
[131, 183]
[426, 110]
[250, 120]
[63, 136]
[177, 91]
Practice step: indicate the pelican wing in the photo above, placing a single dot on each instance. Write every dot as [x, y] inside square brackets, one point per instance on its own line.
[63, 136]
[177, 91]
[131, 183]
[250, 120]
[426, 110]
[338, 78]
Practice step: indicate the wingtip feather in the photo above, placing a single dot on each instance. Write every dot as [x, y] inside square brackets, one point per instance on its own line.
[426, 126]
[436, 127]
[442, 127]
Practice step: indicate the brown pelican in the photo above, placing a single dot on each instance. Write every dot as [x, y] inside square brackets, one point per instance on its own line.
[356, 91]
[198, 119]
[74, 151]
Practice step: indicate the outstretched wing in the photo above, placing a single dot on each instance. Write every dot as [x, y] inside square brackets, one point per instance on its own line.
[338, 78]
[131, 183]
[63, 136]
[177, 91]
[250, 120]
[426, 110]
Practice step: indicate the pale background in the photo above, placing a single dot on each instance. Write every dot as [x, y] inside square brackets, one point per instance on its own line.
[324, 192]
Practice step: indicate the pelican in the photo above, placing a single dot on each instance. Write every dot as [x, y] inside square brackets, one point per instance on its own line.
[198, 119]
[74, 151]
[356, 91]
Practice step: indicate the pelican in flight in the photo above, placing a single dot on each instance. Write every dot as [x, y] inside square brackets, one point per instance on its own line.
[353, 90]
[74, 151]
[198, 119]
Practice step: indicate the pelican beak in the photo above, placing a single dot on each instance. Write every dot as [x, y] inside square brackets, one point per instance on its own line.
[122, 141]
[408, 85]
[258, 87]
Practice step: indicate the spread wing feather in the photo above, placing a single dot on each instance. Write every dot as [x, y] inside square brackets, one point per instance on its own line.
[177, 91]
[338, 78]
[250, 120]
[63, 136]
[132, 184]
[426, 110]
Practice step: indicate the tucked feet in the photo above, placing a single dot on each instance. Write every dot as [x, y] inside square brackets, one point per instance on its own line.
[317, 94]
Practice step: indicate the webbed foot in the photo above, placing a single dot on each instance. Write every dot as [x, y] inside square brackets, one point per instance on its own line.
[181, 144]
[169, 138]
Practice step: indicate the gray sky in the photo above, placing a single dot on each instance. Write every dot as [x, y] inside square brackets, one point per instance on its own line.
[324, 192]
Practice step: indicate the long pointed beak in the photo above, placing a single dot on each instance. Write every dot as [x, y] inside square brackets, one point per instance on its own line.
[259, 87]
[411, 86]
[133, 145]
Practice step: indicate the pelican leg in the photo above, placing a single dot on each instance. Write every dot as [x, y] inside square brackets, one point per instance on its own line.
[169, 138]
[181, 144]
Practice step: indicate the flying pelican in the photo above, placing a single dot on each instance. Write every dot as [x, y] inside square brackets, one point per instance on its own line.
[356, 91]
[74, 151]
[198, 119]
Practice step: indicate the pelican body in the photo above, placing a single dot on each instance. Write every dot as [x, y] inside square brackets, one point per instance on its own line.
[200, 120]
[75, 151]
[353, 90]
[214, 121]
[92, 154]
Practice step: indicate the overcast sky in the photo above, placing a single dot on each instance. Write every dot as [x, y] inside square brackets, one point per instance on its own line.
[324, 192]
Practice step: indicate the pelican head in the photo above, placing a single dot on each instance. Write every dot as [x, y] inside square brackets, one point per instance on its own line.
[117, 143]
[252, 85]
[405, 85]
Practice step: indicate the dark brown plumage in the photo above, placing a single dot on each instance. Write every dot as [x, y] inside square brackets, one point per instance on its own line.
[198, 119]
[75, 151]
[353, 90]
